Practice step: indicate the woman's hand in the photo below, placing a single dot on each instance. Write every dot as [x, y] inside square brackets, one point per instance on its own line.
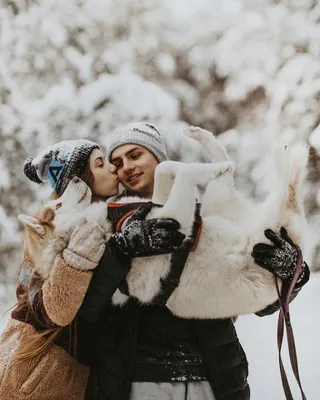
[143, 238]
[86, 246]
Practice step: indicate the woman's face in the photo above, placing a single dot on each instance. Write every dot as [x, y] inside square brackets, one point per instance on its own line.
[105, 184]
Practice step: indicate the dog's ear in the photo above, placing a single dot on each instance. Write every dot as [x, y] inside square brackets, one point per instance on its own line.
[87, 198]
[32, 223]
[46, 215]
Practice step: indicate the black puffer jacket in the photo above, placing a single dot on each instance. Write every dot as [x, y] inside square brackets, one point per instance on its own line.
[119, 342]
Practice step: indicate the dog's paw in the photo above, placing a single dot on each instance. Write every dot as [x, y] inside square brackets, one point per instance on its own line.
[193, 132]
[197, 133]
[224, 167]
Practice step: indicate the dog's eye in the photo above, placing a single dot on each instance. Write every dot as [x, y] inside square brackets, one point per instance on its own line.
[58, 206]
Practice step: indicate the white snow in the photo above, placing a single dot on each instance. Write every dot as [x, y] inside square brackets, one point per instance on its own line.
[259, 339]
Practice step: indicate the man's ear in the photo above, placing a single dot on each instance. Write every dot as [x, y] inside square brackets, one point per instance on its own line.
[32, 223]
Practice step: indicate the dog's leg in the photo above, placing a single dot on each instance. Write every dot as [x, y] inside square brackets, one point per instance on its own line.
[220, 196]
[182, 198]
[219, 191]
[176, 192]
[215, 150]
[166, 172]
[163, 180]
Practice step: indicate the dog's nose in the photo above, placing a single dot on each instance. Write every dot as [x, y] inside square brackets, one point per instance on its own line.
[76, 179]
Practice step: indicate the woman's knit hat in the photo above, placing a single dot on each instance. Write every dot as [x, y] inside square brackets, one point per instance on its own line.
[60, 163]
[140, 133]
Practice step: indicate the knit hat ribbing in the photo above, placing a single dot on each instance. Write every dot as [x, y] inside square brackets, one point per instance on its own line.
[60, 163]
[142, 134]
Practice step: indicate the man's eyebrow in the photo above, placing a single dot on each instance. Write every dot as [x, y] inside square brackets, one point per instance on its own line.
[126, 154]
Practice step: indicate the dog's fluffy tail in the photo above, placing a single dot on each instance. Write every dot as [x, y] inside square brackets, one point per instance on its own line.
[298, 167]
[284, 206]
[290, 163]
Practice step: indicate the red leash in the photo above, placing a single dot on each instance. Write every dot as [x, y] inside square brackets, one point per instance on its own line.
[284, 320]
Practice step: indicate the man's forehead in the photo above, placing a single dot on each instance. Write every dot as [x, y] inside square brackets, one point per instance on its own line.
[124, 150]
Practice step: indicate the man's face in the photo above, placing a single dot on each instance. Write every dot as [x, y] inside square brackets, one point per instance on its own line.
[135, 168]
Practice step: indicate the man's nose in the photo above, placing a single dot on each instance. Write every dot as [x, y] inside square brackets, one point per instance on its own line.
[127, 166]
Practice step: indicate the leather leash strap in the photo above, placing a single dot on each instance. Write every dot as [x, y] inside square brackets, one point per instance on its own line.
[284, 320]
[177, 262]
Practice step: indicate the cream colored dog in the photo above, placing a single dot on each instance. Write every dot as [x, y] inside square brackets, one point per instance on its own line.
[220, 279]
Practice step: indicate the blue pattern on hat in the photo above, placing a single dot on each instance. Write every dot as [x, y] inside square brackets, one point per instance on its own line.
[54, 171]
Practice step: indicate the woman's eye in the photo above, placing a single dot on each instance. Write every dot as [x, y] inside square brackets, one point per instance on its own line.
[58, 206]
[135, 156]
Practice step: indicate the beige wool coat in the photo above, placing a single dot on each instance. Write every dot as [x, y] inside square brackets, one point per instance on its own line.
[54, 374]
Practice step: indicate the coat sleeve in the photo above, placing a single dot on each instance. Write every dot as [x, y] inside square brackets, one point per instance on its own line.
[64, 291]
[53, 302]
[107, 277]
[303, 279]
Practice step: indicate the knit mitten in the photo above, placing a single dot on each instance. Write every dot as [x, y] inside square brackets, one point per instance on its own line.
[86, 246]
[143, 238]
[280, 257]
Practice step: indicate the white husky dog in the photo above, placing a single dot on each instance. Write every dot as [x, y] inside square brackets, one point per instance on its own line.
[220, 279]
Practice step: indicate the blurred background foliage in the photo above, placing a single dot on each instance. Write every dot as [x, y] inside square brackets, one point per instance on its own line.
[247, 70]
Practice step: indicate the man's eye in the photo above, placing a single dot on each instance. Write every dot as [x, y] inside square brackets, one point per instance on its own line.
[117, 165]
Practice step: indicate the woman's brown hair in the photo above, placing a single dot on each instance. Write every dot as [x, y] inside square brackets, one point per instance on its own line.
[40, 343]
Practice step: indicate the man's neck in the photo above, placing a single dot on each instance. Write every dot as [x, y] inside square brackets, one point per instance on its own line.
[128, 193]
[142, 195]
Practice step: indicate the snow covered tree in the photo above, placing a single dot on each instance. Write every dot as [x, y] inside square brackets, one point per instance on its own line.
[245, 69]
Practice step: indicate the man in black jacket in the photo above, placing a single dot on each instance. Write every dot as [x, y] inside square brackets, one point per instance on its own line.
[143, 351]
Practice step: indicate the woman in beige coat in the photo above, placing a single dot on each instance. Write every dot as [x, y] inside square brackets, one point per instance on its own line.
[45, 349]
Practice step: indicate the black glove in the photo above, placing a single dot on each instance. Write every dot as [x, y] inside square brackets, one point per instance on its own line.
[143, 238]
[280, 258]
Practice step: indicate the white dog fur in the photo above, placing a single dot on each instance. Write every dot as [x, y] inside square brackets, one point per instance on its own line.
[220, 279]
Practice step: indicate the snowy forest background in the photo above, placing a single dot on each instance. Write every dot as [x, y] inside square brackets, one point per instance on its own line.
[247, 70]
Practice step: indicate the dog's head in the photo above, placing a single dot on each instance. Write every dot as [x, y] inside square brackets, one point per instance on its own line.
[76, 193]
[56, 217]
[67, 208]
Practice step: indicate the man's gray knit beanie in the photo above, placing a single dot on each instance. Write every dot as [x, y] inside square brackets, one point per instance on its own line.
[60, 163]
[142, 134]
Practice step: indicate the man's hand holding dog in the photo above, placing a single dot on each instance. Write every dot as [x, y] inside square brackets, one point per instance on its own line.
[280, 257]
